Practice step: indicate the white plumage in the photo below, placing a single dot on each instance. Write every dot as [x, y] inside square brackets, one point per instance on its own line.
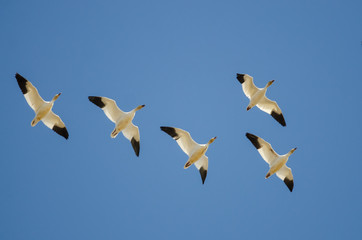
[257, 98]
[277, 163]
[195, 151]
[42, 109]
[122, 120]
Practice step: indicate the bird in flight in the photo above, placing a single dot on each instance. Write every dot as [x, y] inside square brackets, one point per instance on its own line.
[195, 151]
[257, 98]
[277, 163]
[122, 120]
[43, 109]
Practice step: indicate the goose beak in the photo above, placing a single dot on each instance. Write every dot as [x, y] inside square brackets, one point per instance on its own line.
[56, 96]
[269, 83]
[140, 107]
[212, 140]
[294, 149]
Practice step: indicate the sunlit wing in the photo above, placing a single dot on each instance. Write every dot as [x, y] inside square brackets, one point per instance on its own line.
[53, 121]
[109, 107]
[202, 165]
[264, 148]
[182, 137]
[272, 108]
[285, 174]
[132, 133]
[30, 92]
[247, 83]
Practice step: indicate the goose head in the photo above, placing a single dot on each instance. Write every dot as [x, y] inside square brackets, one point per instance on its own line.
[139, 107]
[269, 83]
[211, 140]
[56, 97]
[292, 151]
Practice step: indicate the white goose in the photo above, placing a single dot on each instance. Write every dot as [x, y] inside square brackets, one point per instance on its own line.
[42, 109]
[257, 97]
[277, 163]
[123, 120]
[195, 151]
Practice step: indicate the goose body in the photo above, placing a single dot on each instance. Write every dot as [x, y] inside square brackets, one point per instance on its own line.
[195, 151]
[122, 120]
[257, 98]
[277, 163]
[43, 109]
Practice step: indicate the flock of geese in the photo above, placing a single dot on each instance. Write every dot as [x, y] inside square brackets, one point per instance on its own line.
[196, 152]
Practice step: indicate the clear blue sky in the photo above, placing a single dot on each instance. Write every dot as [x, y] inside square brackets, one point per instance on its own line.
[180, 59]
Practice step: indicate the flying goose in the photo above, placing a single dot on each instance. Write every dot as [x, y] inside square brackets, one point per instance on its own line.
[277, 163]
[43, 109]
[123, 120]
[195, 151]
[257, 97]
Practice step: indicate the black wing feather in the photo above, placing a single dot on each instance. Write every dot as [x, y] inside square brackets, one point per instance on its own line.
[203, 174]
[22, 83]
[240, 77]
[171, 131]
[279, 118]
[97, 101]
[289, 183]
[254, 140]
[136, 146]
[61, 131]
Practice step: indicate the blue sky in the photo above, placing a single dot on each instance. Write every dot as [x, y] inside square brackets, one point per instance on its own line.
[180, 59]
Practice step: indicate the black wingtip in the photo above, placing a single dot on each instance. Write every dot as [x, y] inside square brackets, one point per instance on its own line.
[254, 140]
[240, 77]
[136, 146]
[279, 118]
[203, 174]
[97, 101]
[61, 131]
[289, 183]
[170, 131]
[22, 83]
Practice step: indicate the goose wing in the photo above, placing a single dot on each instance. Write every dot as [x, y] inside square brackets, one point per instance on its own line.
[264, 148]
[182, 137]
[247, 83]
[202, 165]
[285, 174]
[132, 133]
[109, 107]
[30, 92]
[53, 121]
[272, 108]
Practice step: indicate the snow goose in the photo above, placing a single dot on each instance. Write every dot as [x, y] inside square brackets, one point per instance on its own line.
[277, 163]
[195, 151]
[257, 97]
[122, 120]
[42, 109]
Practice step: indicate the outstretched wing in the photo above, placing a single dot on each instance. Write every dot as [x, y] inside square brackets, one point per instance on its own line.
[286, 175]
[182, 137]
[109, 107]
[247, 83]
[53, 121]
[30, 92]
[202, 165]
[272, 108]
[264, 148]
[132, 133]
